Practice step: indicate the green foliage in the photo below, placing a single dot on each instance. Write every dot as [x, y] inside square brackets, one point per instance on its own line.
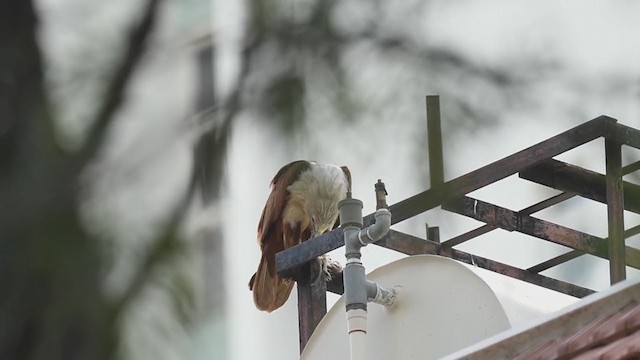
[284, 101]
[50, 267]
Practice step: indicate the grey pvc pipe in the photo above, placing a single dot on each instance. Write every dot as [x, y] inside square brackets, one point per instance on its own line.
[357, 289]
[376, 231]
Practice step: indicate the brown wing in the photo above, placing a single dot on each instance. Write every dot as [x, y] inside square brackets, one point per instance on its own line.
[272, 212]
[270, 291]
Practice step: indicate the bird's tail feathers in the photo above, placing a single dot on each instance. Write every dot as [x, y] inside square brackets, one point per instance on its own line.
[270, 290]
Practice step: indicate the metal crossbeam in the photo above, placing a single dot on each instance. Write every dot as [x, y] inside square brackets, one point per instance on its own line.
[411, 245]
[487, 228]
[547, 203]
[628, 169]
[575, 254]
[560, 259]
[513, 221]
[457, 240]
[520, 274]
[586, 183]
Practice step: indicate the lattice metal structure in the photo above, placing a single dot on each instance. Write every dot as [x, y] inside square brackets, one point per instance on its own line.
[535, 164]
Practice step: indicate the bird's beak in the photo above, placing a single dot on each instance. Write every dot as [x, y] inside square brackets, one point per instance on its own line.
[317, 232]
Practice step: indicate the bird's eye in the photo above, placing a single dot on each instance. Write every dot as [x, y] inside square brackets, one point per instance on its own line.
[313, 219]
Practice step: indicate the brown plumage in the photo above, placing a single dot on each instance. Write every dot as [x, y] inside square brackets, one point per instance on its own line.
[303, 203]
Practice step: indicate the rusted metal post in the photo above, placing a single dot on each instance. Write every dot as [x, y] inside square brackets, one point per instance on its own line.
[381, 195]
[433, 233]
[312, 301]
[434, 136]
[615, 208]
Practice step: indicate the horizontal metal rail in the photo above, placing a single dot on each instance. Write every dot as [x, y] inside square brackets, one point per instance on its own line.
[513, 221]
[487, 228]
[560, 259]
[628, 169]
[457, 240]
[411, 245]
[586, 183]
[570, 255]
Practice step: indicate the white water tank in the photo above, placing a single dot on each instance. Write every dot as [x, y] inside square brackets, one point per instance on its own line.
[443, 306]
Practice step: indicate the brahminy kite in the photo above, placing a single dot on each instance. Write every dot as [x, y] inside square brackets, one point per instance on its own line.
[303, 204]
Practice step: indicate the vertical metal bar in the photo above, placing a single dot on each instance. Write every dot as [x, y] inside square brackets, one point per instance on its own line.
[615, 208]
[312, 302]
[433, 233]
[381, 195]
[434, 136]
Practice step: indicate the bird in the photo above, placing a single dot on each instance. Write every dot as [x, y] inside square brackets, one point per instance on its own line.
[303, 203]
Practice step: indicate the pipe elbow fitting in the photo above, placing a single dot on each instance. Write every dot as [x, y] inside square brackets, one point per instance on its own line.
[376, 231]
[382, 224]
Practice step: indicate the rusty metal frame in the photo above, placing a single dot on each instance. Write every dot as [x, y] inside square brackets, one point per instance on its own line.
[521, 222]
[586, 183]
[535, 164]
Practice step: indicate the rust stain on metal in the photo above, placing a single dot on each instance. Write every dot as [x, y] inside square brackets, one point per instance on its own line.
[513, 221]
[586, 183]
[312, 303]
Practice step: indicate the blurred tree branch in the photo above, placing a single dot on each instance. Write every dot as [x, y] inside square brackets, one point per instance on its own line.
[211, 147]
[50, 268]
[114, 92]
